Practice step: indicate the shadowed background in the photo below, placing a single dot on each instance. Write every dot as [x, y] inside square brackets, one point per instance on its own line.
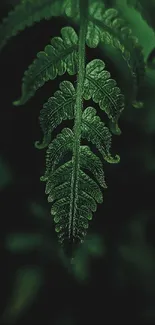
[113, 275]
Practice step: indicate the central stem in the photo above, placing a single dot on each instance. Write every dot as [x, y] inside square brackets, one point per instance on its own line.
[83, 4]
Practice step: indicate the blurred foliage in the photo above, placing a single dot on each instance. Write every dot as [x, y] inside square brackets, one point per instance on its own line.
[139, 26]
[80, 263]
[26, 286]
[22, 242]
[111, 278]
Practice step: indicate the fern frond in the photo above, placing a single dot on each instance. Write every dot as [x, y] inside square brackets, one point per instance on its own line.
[98, 85]
[58, 108]
[59, 190]
[26, 14]
[102, 89]
[95, 131]
[58, 177]
[57, 58]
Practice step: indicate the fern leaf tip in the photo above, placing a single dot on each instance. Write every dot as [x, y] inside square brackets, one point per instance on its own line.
[113, 160]
[39, 145]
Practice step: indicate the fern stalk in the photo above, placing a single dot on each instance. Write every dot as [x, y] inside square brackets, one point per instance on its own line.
[78, 116]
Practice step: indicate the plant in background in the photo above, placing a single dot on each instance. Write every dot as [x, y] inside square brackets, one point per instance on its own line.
[92, 101]
[74, 173]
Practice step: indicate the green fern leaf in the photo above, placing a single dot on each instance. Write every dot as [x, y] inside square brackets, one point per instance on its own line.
[58, 108]
[102, 89]
[57, 58]
[95, 131]
[71, 224]
[58, 176]
[26, 14]
[88, 194]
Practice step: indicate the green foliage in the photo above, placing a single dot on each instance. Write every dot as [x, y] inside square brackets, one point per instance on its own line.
[144, 33]
[59, 188]
[102, 89]
[59, 179]
[74, 174]
[56, 59]
[26, 14]
[114, 31]
[95, 131]
[27, 284]
[23, 242]
[76, 164]
[58, 108]
[93, 247]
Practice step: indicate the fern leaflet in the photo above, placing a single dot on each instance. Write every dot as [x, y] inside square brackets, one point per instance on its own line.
[57, 58]
[102, 89]
[58, 108]
[95, 131]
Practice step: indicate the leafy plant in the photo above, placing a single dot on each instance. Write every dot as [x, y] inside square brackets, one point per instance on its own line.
[74, 172]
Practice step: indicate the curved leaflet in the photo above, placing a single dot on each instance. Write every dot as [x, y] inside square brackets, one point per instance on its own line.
[58, 108]
[56, 59]
[103, 90]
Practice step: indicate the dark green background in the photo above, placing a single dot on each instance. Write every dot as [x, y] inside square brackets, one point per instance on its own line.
[121, 283]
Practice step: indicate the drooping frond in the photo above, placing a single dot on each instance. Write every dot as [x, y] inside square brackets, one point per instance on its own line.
[102, 89]
[25, 14]
[57, 58]
[95, 131]
[58, 176]
[71, 225]
[58, 108]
